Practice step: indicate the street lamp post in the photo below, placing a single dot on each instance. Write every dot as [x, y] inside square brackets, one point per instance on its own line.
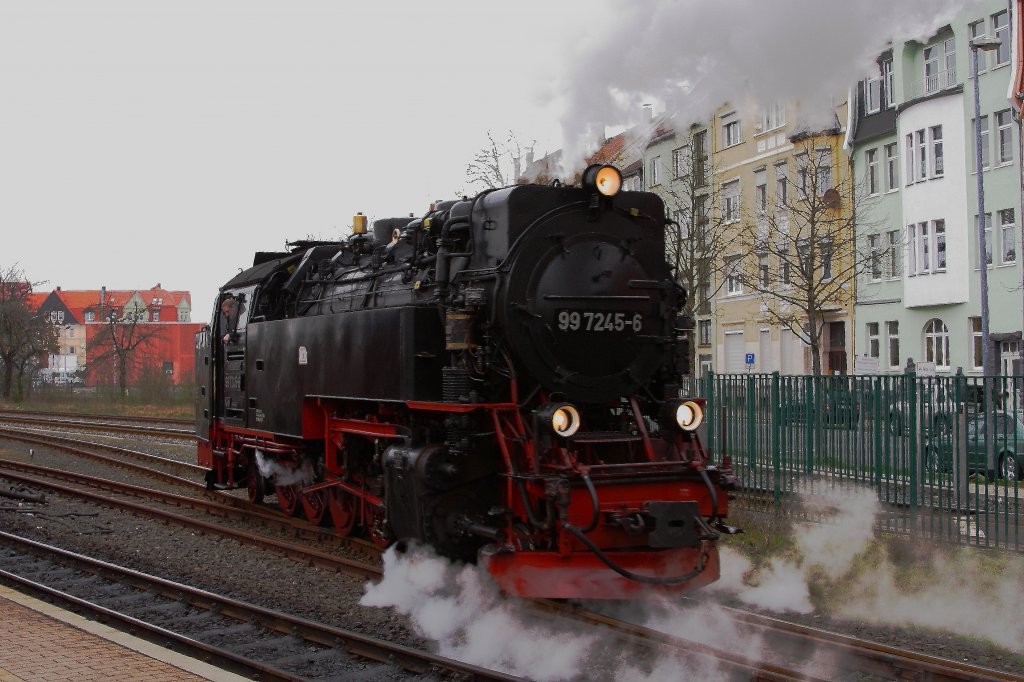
[981, 43]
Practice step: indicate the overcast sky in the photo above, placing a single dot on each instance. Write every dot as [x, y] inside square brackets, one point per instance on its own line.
[166, 141]
[145, 142]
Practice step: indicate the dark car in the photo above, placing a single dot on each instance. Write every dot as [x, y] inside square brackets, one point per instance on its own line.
[1008, 435]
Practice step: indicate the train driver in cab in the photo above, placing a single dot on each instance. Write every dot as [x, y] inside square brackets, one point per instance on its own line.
[230, 310]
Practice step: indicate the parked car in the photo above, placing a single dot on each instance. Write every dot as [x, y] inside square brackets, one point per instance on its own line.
[1008, 434]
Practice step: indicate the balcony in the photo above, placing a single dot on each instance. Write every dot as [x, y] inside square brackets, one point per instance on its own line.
[940, 80]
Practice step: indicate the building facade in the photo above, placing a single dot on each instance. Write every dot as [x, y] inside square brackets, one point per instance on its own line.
[912, 138]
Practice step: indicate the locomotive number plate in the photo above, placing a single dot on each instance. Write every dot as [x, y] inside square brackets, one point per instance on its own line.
[597, 321]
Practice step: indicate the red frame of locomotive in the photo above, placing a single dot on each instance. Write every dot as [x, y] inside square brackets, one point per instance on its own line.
[573, 569]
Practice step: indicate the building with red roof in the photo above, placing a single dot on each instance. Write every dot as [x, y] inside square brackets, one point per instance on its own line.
[162, 317]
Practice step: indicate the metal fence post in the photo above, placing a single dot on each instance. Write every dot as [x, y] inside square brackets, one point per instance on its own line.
[913, 454]
[776, 415]
[812, 426]
[712, 414]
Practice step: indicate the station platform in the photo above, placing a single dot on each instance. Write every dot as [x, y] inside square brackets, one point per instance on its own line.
[40, 642]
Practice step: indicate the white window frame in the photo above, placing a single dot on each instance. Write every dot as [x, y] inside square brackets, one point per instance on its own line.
[875, 268]
[733, 284]
[922, 154]
[892, 334]
[1004, 136]
[730, 131]
[731, 201]
[874, 340]
[936, 343]
[892, 167]
[872, 95]
[1001, 30]
[888, 83]
[985, 163]
[678, 156]
[911, 176]
[894, 254]
[1007, 235]
[976, 29]
[937, 166]
[988, 239]
[773, 116]
[939, 236]
[871, 160]
[654, 171]
[974, 329]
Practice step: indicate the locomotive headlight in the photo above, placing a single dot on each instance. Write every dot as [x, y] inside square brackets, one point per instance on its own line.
[604, 178]
[687, 414]
[563, 418]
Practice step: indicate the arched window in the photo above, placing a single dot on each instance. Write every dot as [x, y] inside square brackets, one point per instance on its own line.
[936, 343]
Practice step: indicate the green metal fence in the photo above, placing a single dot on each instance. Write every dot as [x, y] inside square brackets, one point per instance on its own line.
[945, 455]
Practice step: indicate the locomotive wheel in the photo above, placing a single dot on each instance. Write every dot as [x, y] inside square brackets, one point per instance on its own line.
[315, 506]
[288, 498]
[256, 485]
[343, 510]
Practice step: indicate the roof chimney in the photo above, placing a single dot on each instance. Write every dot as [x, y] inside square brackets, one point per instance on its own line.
[648, 113]
[103, 296]
[58, 288]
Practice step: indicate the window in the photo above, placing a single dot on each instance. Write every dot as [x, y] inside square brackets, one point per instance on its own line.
[824, 171]
[781, 186]
[936, 343]
[935, 134]
[988, 236]
[773, 116]
[761, 191]
[976, 354]
[876, 258]
[156, 316]
[826, 260]
[71, 333]
[730, 131]
[1004, 141]
[892, 332]
[912, 243]
[872, 95]
[984, 143]
[678, 162]
[801, 176]
[976, 29]
[762, 271]
[732, 280]
[731, 200]
[948, 75]
[924, 265]
[910, 159]
[931, 68]
[892, 169]
[700, 158]
[888, 91]
[704, 332]
[939, 233]
[90, 316]
[893, 261]
[1008, 235]
[922, 156]
[653, 172]
[874, 344]
[782, 251]
[1001, 29]
[704, 305]
[871, 156]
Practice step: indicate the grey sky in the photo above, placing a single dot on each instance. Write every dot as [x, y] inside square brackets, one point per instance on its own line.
[145, 142]
[160, 141]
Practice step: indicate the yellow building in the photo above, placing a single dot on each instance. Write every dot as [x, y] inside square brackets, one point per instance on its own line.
[784, 195]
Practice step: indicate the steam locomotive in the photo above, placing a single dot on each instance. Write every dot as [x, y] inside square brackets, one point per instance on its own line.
[499, 379]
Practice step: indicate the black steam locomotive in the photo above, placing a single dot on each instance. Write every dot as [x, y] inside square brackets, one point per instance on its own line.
[498, 379]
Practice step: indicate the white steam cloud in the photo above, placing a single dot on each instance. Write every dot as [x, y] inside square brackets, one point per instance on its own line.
[691, 56]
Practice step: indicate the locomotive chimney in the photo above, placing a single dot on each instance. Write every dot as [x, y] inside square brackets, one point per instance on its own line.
[648, 113]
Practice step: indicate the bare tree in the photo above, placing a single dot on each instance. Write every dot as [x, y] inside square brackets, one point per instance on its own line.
[801, 256]
[120, 341]
[695, 238]
[24, 335]
[497, 164]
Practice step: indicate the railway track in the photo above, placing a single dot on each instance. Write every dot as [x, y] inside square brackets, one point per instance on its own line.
[856, 656]
[109, 426]
[109, 418]
[233, 634]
